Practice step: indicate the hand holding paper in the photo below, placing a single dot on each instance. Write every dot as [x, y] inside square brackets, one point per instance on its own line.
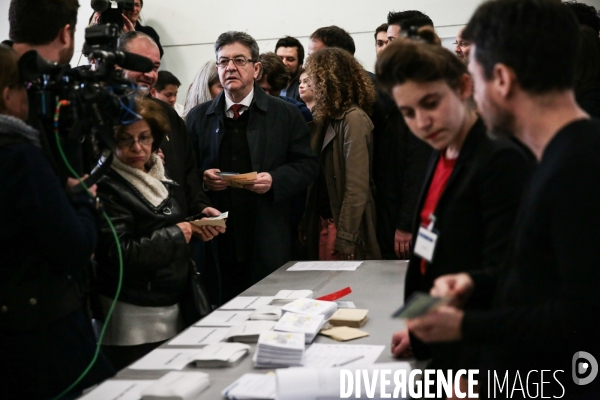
[214, 181]
[262, 183]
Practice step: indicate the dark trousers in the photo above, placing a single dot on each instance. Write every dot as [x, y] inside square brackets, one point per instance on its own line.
[122, 356]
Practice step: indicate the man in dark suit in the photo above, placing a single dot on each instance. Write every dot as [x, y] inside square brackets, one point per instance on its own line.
[546, 300]
[291, 52]
[244, 130]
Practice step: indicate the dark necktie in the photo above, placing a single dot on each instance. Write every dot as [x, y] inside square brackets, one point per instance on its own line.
[236, 110]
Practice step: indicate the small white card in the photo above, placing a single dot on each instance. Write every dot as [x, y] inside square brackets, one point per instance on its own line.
[325, 266]
[199, 336]
[224, 318]
[176, 359]
[116, 389]
[425, 244]
[247, 303]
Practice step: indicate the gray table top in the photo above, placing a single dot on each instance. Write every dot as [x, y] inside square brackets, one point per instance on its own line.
[376, 285]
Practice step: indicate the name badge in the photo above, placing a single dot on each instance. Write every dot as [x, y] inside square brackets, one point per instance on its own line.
[425, 244]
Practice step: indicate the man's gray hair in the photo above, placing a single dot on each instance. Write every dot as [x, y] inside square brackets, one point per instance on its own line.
[243, 38]
[128, 37]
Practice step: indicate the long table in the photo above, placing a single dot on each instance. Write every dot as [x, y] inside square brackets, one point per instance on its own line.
[376, 285]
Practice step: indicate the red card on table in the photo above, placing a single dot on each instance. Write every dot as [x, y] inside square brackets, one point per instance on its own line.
[336, 295]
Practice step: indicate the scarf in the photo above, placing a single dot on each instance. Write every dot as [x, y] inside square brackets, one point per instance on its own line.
[12, 126]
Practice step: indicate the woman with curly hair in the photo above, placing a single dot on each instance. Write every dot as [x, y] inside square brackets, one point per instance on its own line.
[339, 222]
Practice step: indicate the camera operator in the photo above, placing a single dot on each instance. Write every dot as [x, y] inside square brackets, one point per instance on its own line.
[46, 339]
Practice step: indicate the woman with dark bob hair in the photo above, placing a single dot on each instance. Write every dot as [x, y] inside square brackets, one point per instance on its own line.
[153, 237]
[339, 221]
[472, 188]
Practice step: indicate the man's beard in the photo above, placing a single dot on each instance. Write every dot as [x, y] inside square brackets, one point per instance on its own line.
[501, 123]
[65, 55]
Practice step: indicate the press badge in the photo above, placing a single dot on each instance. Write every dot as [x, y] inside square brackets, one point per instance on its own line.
[426, 240]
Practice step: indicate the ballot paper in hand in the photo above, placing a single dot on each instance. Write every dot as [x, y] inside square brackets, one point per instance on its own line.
[249, 331]
[238, 180]
[284, 297]
[212, 221]
[419, 304]
[311, 307]
[251, 387]
[220, 355]
[307, 324]
[279, 349]
[177, 385]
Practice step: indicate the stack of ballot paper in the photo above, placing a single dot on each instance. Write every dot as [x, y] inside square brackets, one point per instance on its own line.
[177, 385]
[238, 180]
[352, 317]
[307, 324]
[249, 331]
[311, 307]
[220, 355]
[251, 387]
[284, 297]
[267, 313]
[213, 221]
[279, 349]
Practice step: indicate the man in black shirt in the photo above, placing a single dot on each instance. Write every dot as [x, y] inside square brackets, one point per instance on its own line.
[547, 299]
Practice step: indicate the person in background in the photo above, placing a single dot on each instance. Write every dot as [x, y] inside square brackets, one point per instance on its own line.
[462, 47]
[381, 39]
[273, 77]
[472, 187]
[46, 240]
[331, 36]
[134, 17]
[586, 15]
[306, 91]
[136, 194]
[205, 87]
[339, 221]
[166, 89]
[397, 21]
[291, 52]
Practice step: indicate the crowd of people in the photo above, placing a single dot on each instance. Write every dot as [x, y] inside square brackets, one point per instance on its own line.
[479, 166]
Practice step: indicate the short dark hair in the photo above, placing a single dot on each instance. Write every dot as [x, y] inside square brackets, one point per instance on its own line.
[586, 15]
[9, 71]
[381, 28]
[165, 78]
[538, 39]
[274, 70]
[405, 60]
[38, 22]
[126, 38]
[587, 67]
[231, 37]
[334, 36]
[408, 18]
[289, 41]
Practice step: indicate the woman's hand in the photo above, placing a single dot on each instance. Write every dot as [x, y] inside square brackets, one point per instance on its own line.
[187, 230]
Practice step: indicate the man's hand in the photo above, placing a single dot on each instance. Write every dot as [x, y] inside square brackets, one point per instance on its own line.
[72, 182]
[214, 181]
[457, 286]
[443, 324]
[401, 344]
[262, 183]
[206, 233]
[402, 242]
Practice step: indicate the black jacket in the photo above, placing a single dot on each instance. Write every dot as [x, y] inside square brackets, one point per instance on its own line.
[156, 259]
[475, 213]
[279, 144]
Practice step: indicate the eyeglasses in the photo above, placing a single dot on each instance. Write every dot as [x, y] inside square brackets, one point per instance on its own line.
[238, 61]
[126, 142]
[462, 44]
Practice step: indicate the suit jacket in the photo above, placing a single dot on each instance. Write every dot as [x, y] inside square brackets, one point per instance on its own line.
[474, 214]
[279, 144]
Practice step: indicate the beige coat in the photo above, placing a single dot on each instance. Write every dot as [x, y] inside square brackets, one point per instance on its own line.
[345, 148]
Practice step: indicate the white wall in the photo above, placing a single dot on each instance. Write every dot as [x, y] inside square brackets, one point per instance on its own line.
[188, 28]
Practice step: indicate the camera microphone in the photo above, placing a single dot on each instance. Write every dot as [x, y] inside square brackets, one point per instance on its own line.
[99, 5]
[125, 60]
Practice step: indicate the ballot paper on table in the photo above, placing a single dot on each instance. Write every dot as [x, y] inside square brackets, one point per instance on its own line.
[238, 180]
[249, 331]
[267, 313]
[247, 303]
[221, 355]
[284, 297]
[341, 355]
[419, 304]
[212, 221]
[325, 266]
[224, 318]
[251, 387]
[344, 333]
[353, 317]
[345, 304]
[199, 336]
[177, 385]
[159, 359]
[311, 307]
[279, 349]
[115, 389]
[307, 324]
[299, 383]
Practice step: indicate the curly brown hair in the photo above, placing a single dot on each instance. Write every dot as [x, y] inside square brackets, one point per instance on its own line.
[338, 81]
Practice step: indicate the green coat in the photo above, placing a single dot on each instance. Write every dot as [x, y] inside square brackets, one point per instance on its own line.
[345, 148]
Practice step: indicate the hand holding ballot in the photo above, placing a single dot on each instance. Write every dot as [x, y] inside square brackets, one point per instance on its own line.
[262, 183]
[456, 287]
[208, 228]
